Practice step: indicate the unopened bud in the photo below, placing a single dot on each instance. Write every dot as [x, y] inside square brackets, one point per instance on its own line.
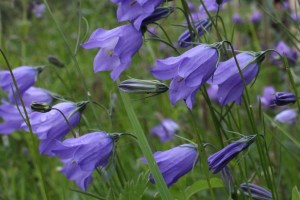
[284, 98]
[53, 60]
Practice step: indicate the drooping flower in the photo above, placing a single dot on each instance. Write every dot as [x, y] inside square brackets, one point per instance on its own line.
[136, 10]
[52, 126]
[117, 47]
[82, 155]
[220, 159]
[257, 192]
[25, 77]
[288, 116]
[188, 72]
[185, 39]
[211, 5]
[228, 78]
[33, 94]
[12, 119]
[166, 130]
[267, 97]
[175, 162]
[284, 98]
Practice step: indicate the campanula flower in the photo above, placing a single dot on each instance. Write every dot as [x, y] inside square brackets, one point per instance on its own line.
[266, 99]
[220, 159]
[236, 18]
[228, 78]
[12, 119]
[256, 17]
[51, 126]
[117, 47]
[33, 94]
[284, 98]
[136, 10]
[38, 9]
[290, 53]
[175, 162]
[227, 179]
[211, 5]
[188, 72]
[25, 77]
[82, 155]
[288, 116]
[212, 92]
[166, 130]
[185, 39]
[257, 192]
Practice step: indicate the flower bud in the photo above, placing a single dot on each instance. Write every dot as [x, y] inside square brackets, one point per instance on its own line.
[284, 98]
[158, 14]
[53, 60]
[143, 86]
[40, 107]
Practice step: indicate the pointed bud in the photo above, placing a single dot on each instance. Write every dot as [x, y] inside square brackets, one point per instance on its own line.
[81, 105]
[53, 60]
[158, 14]
[40, 107]
[284, 98]
[143, 86]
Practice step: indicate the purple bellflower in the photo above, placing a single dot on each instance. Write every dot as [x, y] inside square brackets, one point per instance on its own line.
[117, 47]
[38, 9]
[220, 159]
[136, 10]
[188, 72]
[257, 192]
[284, 98]
[228, 78]
[158, 14]
[12, 119]
[175, 162]
[52, 126]
[82, 155]
[185, 39]
[228, 179]
[256, 17]
[33, 94]
[236, 18]
[211, 5]
[266, 99]
[25, 77]
[290, 53]
[166, 130]
[288, 116]
[212, 92]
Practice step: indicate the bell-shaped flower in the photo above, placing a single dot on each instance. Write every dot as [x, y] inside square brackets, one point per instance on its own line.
[220, 159]
[188, 72]
[166, 130]
[228, 78]
[136, 10]
[11, 117]
[266, 99]
[284, 98]
[82, 155]
[256, 192]
[288, 116]
[175, 162]
[186, 39]
[55, 124]
[33, 94]
[283, 49]
[117, 47]
[25, 77]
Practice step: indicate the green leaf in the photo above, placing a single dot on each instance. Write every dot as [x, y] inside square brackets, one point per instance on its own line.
[295, 194]
[203, 185]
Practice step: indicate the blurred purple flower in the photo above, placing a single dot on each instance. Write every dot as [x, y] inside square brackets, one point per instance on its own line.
[228, 78]
[38, 9]
[257, 192]
[51, 126]
[12, 119]
[220, 159]
[227, 179]
[175, 162]
[25, 77]
[295, 16]
[212, 92]
[82, 155]
[185, 39]
[33, 94]
[288, 116]
[211, 5]
[284, 98]
[118, 46]
[267, 97]
[136, 10]
[256, 17]
[188, 72]
[290, 53]
[236, 18]
[166, 130]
